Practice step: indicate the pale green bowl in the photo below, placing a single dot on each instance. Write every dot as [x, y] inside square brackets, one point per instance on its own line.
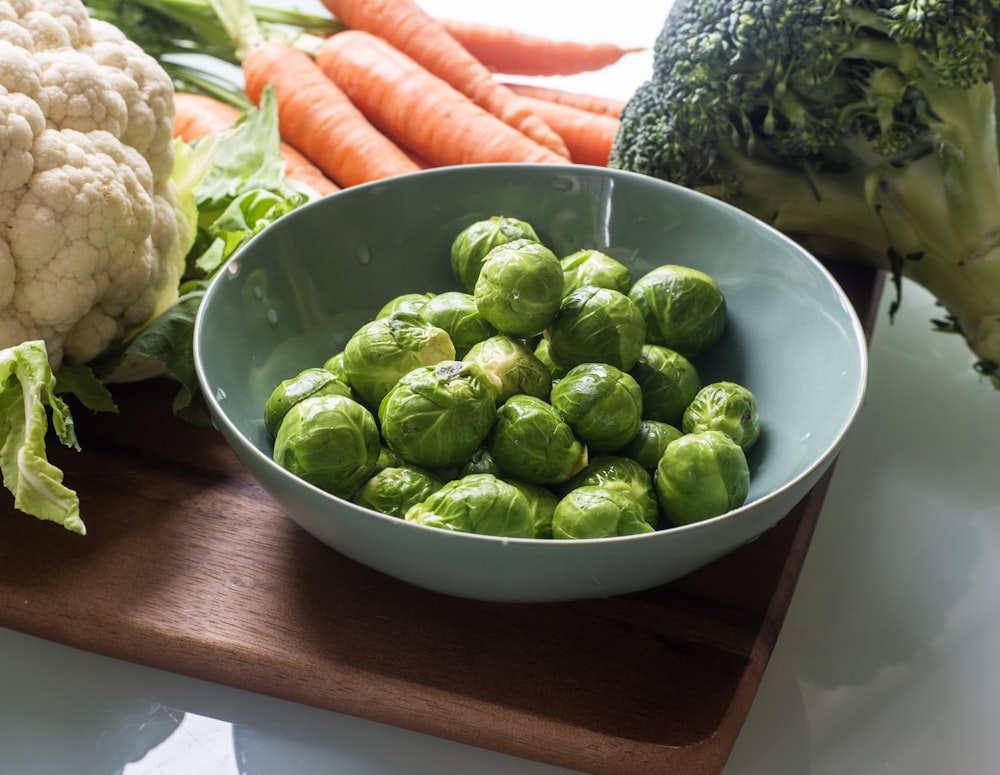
[296, 292]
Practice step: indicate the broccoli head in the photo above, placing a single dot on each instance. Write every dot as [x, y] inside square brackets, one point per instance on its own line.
[865, 130]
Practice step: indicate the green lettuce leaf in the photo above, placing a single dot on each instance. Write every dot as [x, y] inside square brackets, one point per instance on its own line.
[79, 380]
[27, 394]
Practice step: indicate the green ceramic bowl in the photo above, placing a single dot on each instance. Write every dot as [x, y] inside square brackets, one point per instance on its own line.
[296, 292]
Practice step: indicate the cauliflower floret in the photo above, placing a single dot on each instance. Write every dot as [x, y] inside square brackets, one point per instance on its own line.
[94, 243]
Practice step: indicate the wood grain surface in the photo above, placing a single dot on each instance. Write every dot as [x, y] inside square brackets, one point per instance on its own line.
[189, 566]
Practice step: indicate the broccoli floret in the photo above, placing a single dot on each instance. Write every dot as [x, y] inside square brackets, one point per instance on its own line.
[865, 130]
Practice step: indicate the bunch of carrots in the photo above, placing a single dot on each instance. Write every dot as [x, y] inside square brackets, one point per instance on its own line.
[397, 90]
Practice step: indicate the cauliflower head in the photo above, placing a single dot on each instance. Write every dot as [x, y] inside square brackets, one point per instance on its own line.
[93, 242]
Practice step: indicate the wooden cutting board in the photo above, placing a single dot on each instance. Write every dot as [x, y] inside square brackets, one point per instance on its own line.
[190, 567]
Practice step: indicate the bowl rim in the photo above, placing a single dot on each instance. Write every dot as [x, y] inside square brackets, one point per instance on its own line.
[814, 470]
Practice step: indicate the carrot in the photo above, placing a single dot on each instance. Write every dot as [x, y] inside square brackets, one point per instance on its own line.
[421, 37]
[319, 119]
[505, 50]
[605, 106]
[587, 135]
[417, 159]
[419, 110]
[198, 115]
[299, 168]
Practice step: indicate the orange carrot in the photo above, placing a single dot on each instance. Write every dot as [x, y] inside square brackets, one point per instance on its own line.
[419, 110]
[505, 50]
[299, 168]
[421, 37]
[587, 135]
[416, 158]
[606, 106]
[319, 119]
[197, 115]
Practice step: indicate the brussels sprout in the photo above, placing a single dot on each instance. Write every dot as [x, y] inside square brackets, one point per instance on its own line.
[701, 475]
[596, 324]
[470, 247]
[457, 313]
[530, 441]
[544, 353]
[649, 442]
[511, 366]
[625, 475]
[594, 512]
[388, 458]
[436, 416]
[684, 308]
[307, 383]
[726, 407]
[479, 462]
[383, 350]
[478, 503]
[331, 442]
[543, 505]
[393, 490]
[601, 403]
[668, 380]
[335, 363]
[407, 302]
[593, 267]
[519, 287]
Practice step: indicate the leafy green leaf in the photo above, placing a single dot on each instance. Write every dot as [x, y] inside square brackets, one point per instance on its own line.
[170, 340]
[248, 158]
[27, 393]
[247, 215]
[165, 345]
[82, 382]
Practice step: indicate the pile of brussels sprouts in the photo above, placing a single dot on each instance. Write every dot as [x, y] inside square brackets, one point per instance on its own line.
[550, 398]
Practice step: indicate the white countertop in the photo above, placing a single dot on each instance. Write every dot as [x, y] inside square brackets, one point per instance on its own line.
[887, 663]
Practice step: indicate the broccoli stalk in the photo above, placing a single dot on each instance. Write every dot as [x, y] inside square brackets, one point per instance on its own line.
[865, 130]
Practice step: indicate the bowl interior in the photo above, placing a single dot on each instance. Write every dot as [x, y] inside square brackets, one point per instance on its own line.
[295, 294]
